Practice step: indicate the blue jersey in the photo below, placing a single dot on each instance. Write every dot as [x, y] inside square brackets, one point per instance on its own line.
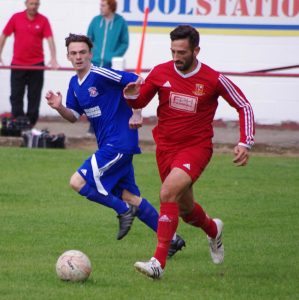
[99, 95]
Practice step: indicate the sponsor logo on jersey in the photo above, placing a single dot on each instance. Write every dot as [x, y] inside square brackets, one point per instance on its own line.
[183, 102]
[93, 92]
[167, 84]
[187, 166]
[199, 89]
[93, 112]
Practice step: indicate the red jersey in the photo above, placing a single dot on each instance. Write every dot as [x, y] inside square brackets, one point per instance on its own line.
[187, 105]
[29, 34]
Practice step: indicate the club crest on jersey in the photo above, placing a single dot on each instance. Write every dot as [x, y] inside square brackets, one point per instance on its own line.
[93, 92]
[199, 89]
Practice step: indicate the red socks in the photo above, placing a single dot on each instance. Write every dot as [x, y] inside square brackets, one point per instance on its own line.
[168, 222]
[167, 225]
[199, 218]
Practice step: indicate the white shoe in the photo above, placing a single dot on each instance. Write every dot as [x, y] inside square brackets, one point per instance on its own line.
[216, 246]
[151, 268]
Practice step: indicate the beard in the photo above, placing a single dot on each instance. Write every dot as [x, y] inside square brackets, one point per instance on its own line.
[184, 66]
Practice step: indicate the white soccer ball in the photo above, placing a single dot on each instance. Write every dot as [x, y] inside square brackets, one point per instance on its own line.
[73, 265]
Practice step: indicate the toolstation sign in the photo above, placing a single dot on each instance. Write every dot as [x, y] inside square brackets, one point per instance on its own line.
[215, 14]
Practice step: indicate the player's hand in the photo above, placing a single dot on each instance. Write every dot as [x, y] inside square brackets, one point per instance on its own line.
[133, 88]
[136, 120]
[54, 100]
[241, 155]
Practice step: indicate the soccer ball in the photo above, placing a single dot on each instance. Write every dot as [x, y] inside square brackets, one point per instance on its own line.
[73, 265]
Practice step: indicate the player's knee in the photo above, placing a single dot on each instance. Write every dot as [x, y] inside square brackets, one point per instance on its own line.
[77, 182]
[166, 195]
[131, 198]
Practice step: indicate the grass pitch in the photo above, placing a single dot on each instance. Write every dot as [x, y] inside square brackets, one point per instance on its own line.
[41, 217]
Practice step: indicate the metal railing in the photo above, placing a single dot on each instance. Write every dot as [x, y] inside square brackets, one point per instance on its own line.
[256, 73]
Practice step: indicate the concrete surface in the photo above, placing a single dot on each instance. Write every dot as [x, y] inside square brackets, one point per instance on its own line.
[267, 138]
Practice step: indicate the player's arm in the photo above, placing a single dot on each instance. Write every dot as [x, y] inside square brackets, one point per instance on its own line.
[132, 89]
[129, 79]
[140, 93]
[136, 120]
[234, 96]
[55, 101]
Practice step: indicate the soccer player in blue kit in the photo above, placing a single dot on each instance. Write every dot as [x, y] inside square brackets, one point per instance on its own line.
[107, 177]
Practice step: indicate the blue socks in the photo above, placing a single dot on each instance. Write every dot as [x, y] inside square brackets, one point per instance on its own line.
[109, 201]
[148, 214]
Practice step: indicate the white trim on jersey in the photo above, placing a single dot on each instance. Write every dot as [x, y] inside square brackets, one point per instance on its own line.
[106, 73]
[188, 74]
[83, 79]
[98, 172]
[241, 102]
[244, 145]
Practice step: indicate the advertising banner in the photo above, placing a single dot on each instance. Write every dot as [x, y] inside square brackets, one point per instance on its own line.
[243, 17]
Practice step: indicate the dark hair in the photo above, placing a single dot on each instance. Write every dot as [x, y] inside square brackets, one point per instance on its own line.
[112, 4]
[186, 32]
[75, 38]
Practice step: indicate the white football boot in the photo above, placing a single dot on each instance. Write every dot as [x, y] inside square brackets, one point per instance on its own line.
[151, 268]
[216, 246]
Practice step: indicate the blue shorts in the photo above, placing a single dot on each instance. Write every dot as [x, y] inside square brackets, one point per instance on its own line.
[110, 172]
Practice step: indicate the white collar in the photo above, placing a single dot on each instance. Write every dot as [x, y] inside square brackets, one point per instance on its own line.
[191, 73]
[80, 81]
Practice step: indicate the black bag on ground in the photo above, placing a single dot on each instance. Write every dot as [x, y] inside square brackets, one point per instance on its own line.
[43, 139]
[14, 127]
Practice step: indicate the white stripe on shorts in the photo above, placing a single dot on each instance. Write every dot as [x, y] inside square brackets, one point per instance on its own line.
[98, 172]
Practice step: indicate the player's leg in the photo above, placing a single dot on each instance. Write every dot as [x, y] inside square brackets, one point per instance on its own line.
[190, 211]
[173, 186]
[128, 190]
[79, 184]
[149, 216]
[100, 174]
[146, 212]
[193, 214]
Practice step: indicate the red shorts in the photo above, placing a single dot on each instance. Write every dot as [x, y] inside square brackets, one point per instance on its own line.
[192, 160]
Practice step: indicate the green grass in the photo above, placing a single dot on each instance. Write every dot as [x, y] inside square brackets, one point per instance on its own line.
[41, 217]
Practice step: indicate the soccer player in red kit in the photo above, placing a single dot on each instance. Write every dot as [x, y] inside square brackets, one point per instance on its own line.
[188, 93]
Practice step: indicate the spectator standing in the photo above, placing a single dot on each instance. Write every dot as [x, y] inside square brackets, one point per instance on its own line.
[109, 34]
[29, 28]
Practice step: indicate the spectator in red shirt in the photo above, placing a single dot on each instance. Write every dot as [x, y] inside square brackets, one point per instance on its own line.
[29, 28]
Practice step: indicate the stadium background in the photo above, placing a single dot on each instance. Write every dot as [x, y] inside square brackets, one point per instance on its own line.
[245, 38]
